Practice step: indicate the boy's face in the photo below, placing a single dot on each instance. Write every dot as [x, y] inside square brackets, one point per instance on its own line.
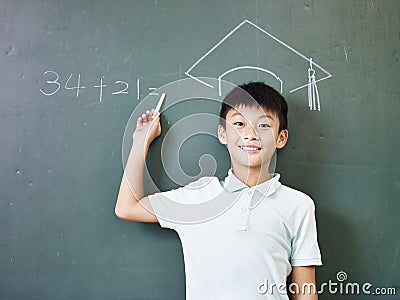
[251, 135]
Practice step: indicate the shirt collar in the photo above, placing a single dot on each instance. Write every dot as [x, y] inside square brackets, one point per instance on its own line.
[234, 184]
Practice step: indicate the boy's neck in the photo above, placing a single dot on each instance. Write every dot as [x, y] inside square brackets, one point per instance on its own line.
[252, 176]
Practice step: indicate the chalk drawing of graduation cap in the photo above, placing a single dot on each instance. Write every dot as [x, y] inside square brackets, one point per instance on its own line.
[258, 50]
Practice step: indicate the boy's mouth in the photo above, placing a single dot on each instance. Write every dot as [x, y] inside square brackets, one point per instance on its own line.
[250, 149]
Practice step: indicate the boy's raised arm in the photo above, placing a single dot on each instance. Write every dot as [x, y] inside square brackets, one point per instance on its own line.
[131, 189]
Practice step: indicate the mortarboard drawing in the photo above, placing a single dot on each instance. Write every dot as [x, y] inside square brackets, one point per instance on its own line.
[281, 62]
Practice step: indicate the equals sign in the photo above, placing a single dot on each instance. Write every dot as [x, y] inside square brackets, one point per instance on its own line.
[151, 93]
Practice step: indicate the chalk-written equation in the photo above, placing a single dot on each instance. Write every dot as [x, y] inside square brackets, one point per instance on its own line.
[54, 83]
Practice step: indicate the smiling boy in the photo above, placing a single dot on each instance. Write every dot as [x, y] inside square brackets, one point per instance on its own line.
[268, 230]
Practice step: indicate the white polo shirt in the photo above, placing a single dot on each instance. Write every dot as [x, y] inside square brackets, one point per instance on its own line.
[239, 242]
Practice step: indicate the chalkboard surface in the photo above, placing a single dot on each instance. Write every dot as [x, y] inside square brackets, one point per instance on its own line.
[72, 73]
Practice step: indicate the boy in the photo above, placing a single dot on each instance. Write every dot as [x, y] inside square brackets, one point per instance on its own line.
[267, 232]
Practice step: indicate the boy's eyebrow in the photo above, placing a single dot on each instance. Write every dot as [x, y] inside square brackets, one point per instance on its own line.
[260, 116]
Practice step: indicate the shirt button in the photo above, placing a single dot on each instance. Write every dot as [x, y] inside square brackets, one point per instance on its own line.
[244, 209]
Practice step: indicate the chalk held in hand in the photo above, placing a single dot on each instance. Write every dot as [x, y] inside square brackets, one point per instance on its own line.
[160, 102]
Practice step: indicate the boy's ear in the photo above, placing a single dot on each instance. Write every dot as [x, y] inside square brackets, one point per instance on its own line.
[282, 138]
[221, 135]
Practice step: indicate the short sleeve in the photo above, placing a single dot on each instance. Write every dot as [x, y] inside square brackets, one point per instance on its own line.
[185, 204]
[305, 249]
[163, 208]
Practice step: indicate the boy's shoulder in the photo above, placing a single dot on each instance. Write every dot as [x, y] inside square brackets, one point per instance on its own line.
[293, 197]
[201, 190]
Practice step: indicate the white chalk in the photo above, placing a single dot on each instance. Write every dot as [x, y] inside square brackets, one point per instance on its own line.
[160, 102]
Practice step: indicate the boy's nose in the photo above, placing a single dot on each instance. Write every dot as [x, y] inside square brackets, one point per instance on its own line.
[250, 133]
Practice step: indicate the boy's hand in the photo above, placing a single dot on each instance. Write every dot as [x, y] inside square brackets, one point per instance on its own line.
[148, 127]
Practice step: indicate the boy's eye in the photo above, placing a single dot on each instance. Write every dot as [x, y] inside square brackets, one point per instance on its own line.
[238, 123]
[265, 125]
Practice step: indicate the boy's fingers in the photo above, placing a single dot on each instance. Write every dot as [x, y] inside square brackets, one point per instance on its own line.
[147, 117]
[156, 114]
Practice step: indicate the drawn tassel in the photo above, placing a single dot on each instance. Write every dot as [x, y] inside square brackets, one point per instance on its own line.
[309, 90]
[313, 95]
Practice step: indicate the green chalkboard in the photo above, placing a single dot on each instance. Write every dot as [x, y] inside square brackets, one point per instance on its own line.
[73, 72]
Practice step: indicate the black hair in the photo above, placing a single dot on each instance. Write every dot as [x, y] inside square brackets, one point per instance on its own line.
[255, 94]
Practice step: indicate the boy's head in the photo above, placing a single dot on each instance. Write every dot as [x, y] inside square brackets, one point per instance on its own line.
[253, 123]
[255, 94]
